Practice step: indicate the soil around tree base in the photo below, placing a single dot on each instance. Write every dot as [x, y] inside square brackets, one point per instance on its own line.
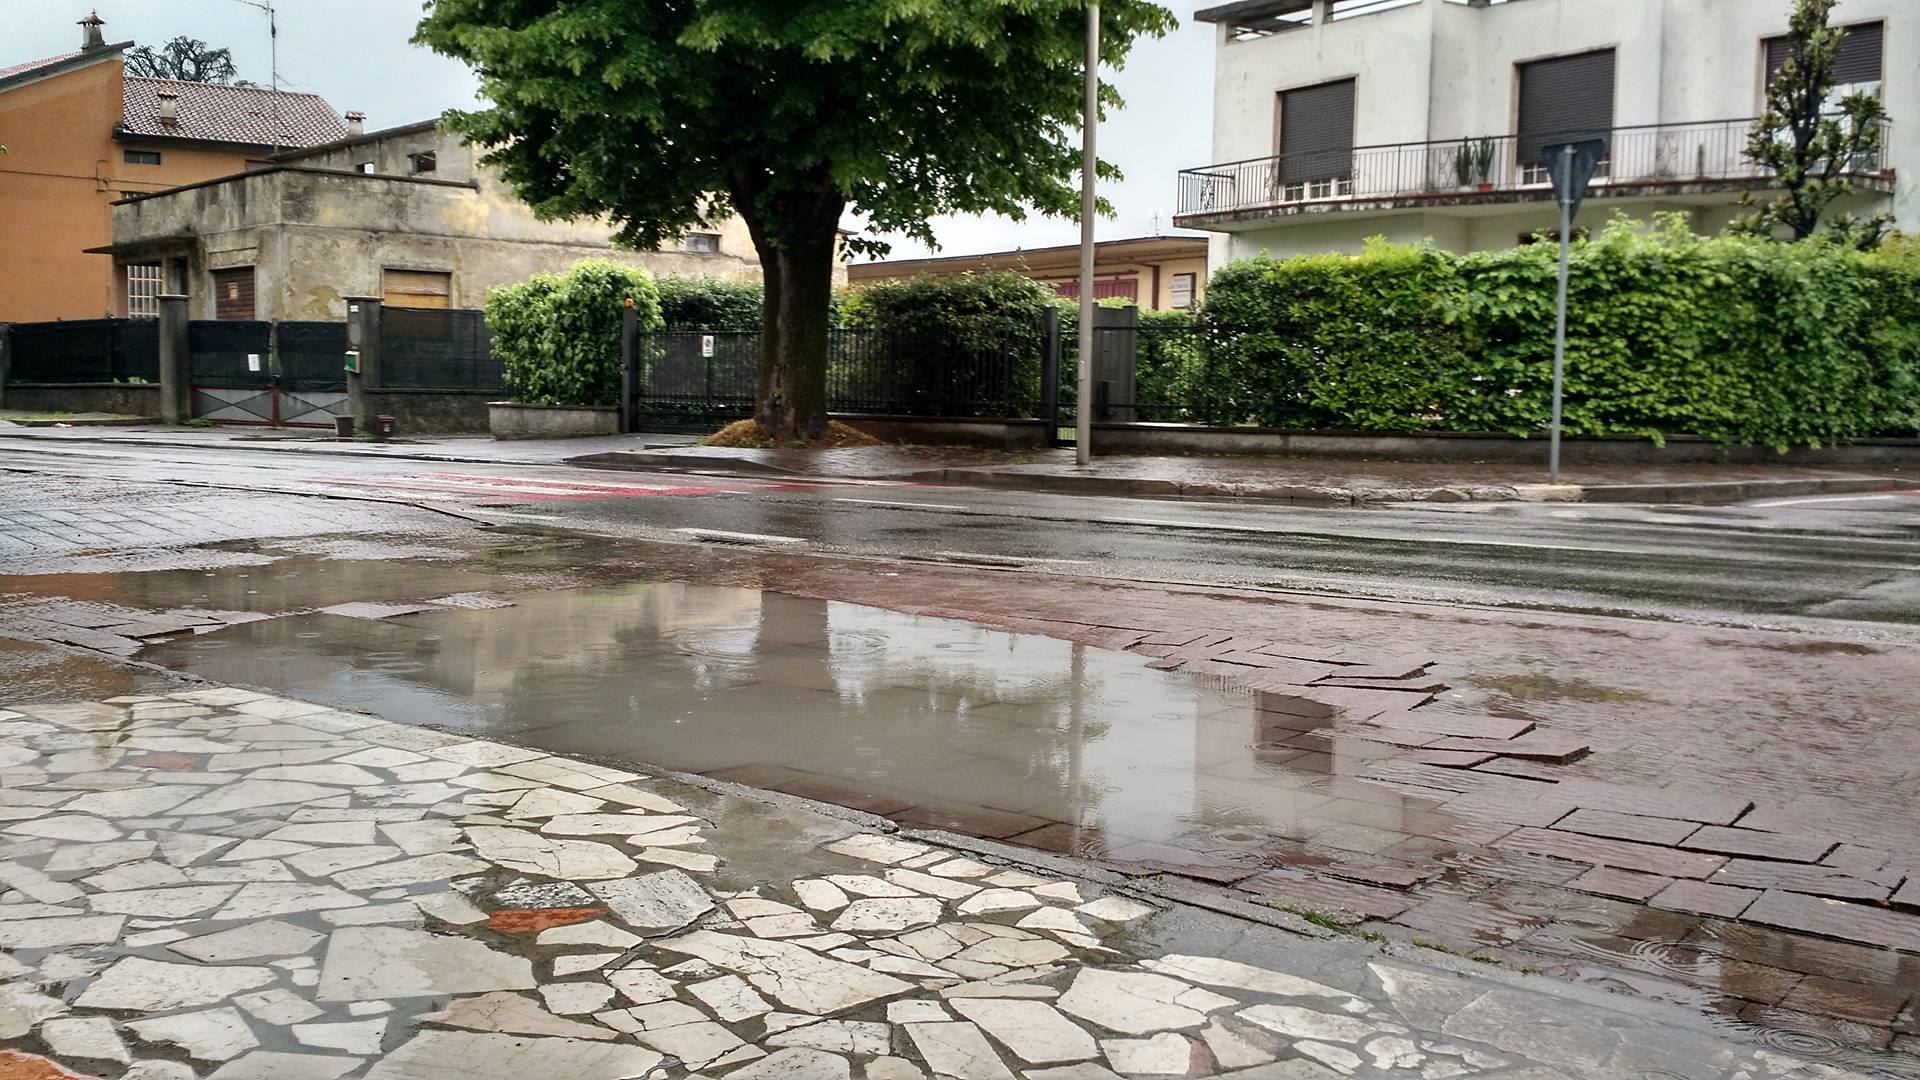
[748, 434]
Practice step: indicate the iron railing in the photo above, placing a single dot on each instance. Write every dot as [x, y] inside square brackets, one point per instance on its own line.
[694, 375]
[1648, 154]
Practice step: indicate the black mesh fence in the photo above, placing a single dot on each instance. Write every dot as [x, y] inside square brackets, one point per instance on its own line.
[85, 351]
[229, 353]
[311, 355]
[440, 350]
[713, 374]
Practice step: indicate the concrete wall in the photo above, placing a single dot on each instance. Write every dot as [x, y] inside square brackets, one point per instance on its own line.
[1438, 71]
[1504, 449]
[316, 237]
[419, 411]
[127, 399]
[992, 434]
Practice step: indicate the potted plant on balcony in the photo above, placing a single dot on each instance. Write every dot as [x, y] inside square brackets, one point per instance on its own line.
[1473, 164]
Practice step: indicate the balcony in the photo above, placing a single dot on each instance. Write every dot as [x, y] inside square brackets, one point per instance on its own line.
[1658, 159]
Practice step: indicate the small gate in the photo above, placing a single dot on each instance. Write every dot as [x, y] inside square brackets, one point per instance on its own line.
[289, 374]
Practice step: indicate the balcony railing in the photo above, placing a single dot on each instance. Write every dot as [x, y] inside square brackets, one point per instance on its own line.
[1648, 155]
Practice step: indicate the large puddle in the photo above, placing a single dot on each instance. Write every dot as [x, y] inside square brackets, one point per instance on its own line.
[987, 732]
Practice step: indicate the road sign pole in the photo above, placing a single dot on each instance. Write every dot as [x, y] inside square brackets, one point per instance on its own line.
[1083, 403]
[1560, 326]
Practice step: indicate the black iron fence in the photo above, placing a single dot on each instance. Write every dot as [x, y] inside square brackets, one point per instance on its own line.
[438, 350]
[693, 376]
[420, 349]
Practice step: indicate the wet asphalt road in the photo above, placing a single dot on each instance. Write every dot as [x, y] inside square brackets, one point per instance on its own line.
[1845, 566]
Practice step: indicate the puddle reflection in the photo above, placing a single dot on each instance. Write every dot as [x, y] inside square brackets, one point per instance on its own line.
[829, 696]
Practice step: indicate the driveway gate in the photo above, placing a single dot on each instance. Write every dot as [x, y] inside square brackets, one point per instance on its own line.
[288, 374]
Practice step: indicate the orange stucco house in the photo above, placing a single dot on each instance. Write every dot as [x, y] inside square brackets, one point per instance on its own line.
[80, 133]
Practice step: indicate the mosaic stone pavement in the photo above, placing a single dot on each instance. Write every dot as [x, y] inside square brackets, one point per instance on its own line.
[219, 883]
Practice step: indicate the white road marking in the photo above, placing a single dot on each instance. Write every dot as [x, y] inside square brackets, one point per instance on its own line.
[902, 505]
[1153, 523]
[739, 537]
[1810, 500]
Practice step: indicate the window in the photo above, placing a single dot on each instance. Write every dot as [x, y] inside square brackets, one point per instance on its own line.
[140, 157]
[233, 293]
[417, 288]
[1316, 142]
[702, 243]
[423, 162]
[1347, 9]
[1126, 288]
[143, 290]
[364, 168]
[1857, 69]
[1564, 99]
[1182, 292]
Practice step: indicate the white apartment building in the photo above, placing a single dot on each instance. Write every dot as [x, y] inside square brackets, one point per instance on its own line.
[1338, 120]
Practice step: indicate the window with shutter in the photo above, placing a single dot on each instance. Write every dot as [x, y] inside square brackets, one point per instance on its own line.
[233, 293]
[1565, 99]
[417, 288]
[1316, 140]
[1860, 62]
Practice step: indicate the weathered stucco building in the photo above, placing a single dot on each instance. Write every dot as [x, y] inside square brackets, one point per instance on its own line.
[408, 214]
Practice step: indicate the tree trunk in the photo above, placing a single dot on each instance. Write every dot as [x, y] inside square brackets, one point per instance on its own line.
[793, 337]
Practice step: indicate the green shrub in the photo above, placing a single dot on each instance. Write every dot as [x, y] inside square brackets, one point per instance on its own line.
[558, 335]
[698, 303]
[967, 344]
[1736, 339]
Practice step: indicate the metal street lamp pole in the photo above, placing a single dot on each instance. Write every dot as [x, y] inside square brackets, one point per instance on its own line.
[1083, 401]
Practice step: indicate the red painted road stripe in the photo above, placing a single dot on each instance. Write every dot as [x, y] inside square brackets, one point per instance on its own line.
[500, 493]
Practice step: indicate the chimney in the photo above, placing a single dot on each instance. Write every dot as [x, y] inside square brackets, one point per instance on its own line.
[90, 34]
[356, 124]
[169, 108]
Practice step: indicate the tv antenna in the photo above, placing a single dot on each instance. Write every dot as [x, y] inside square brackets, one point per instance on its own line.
[273, 62]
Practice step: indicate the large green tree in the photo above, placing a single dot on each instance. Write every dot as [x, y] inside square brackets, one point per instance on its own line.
[666, 115]
[1811, 142]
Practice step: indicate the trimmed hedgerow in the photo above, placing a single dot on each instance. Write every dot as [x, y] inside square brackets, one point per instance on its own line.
[1736, 339]
[558, 335]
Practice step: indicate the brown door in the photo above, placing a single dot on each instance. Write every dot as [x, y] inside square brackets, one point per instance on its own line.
[417, 288]
[233, 293]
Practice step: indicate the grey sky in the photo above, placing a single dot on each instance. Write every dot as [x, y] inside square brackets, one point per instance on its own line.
[355, 54]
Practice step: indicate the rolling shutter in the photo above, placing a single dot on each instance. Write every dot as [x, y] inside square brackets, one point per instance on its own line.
[417, 289]
[1316, 133]
[1565, 99]
[233, 293]
[1861, 57]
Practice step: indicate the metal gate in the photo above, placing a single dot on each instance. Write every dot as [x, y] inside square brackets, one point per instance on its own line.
[288, 374]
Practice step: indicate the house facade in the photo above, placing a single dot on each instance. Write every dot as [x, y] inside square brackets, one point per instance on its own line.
[81, 134]
[1158, 273]
[1339, 120]
[408, 214]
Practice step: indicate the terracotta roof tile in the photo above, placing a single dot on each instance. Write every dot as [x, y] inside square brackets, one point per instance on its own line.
[235, 114]
[50, 62]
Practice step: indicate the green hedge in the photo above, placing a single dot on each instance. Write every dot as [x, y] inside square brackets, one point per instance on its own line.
[697, 303]
[964, 338]
[1736, 339]
[558, 335]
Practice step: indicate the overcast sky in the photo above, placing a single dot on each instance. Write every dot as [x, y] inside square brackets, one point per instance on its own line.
[355, 54]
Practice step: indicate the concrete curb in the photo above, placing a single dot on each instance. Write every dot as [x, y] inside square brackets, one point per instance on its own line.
[85, 422]
[1702, 493]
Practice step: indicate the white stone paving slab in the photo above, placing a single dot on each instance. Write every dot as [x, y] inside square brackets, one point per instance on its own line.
[384, 962]
[274, 1065]
[663, 900]
[1136, 1003]
[156, 986]
[279, 1007]
[89, 1037]
[354, 1037]
[514, 1014]
[788, 973]
[269, 937]
[436, 1055]
[530, 852]
[957, 1049]
[212, 1035]
[1035, 1031]
[1165, 1054]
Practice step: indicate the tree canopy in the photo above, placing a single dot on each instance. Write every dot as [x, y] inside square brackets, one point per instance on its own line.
[186, 59]
[666, 115]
